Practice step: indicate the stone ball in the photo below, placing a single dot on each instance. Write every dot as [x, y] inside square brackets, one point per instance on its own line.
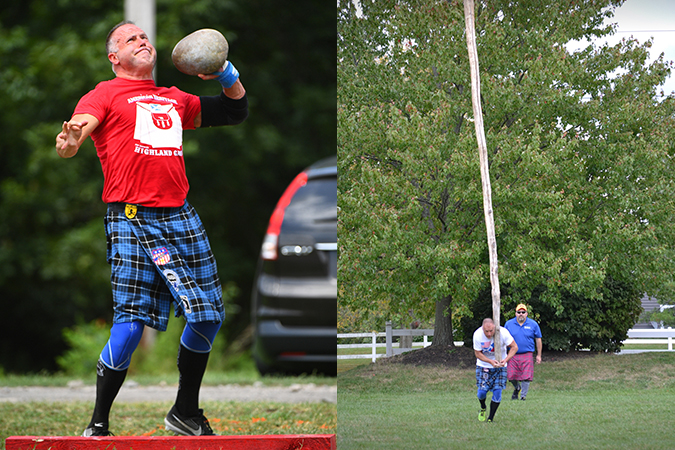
[204, 51]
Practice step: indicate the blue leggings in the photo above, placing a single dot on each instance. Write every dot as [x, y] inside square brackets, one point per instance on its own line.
[496, 395]
[124, 338]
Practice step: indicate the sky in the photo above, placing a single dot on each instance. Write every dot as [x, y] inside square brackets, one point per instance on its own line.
[644, 19]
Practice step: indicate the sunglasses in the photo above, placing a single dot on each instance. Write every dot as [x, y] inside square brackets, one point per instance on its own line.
[521, 312]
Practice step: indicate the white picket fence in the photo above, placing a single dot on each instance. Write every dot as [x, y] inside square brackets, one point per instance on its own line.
[661, 336]
[654, 336]
[389, 335]
[374, 345]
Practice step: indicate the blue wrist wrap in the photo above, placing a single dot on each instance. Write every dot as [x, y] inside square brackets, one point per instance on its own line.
[228, 76]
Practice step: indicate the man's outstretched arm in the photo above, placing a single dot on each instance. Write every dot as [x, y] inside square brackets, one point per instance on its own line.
[73, 133]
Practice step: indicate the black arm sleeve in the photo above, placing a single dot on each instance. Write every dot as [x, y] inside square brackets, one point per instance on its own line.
[222, 110]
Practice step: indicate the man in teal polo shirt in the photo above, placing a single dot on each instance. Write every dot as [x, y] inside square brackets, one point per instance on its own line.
[527, 334]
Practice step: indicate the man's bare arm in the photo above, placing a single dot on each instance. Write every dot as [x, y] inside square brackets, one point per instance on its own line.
[513, 349]
[482, 357]
[73, 133]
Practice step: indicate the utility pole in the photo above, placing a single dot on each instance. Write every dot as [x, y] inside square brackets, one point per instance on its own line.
[484, 167]
[142, 13]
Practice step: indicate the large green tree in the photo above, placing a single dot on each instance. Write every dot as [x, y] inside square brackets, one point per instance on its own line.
[580, 157]
[53, 271]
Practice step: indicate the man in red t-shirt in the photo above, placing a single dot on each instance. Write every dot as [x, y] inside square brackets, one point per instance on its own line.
[157, 247]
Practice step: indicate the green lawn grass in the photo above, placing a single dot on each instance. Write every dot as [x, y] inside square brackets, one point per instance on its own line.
[600, 402]
[137, 419]
[147, 419]
[348, 364]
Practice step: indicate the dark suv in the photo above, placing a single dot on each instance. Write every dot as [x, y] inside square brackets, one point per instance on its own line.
[294, 301]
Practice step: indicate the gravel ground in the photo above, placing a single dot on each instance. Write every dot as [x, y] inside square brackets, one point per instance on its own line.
[131, 392]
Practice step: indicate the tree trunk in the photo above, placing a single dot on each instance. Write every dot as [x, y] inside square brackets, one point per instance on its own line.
[405, 341]
[443, 324]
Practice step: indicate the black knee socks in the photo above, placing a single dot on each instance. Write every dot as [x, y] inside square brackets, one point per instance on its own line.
[493, 410]
[191, 367]
[108, 384]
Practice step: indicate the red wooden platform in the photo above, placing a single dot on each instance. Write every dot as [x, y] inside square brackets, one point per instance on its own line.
[268, 442]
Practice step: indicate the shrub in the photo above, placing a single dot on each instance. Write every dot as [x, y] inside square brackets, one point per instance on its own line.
[86, 342]
[595, 324]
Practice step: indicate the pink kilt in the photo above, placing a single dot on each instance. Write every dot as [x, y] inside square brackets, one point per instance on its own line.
[521, 367]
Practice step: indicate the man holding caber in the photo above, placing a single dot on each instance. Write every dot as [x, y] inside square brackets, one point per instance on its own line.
[490, 371]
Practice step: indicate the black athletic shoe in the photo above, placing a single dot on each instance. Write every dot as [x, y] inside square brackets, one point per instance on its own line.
[515, 394]
[96, 431]
[188, 426]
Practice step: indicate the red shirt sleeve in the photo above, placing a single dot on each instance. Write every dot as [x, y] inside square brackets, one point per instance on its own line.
[192, 109]
[94, 103]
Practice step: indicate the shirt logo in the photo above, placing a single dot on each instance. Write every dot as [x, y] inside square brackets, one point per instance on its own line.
[158, 126]
[161, 120]
[161, 256]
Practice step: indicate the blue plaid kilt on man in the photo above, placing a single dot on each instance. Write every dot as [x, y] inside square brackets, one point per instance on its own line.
[489, 379]
[159, 256]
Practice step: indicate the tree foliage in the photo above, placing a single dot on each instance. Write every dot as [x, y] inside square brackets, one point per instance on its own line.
[598, 324]
[580, 157]
[665, 318]
[52, 245]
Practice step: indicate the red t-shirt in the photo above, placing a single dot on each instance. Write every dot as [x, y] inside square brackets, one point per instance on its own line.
[139, 140]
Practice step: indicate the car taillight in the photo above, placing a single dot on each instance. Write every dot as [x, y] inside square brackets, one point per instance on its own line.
[269, 247]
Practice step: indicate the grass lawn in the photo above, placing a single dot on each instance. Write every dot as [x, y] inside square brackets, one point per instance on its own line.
[600, 402]
[139, 419]
[147, 419]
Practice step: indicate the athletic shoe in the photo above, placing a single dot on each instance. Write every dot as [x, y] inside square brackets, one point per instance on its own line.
[96, 431]
[515, 394]
[188, 426]
[489, 420]
[481, 415]
[523, 399]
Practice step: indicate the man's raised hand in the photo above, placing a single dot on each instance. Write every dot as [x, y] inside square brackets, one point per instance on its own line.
[68, 140]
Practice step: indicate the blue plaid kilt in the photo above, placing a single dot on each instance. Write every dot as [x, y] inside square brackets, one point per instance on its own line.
[488, 379]
[160, 255]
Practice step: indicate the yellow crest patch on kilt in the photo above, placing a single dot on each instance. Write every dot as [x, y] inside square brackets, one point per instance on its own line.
[130, 211]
